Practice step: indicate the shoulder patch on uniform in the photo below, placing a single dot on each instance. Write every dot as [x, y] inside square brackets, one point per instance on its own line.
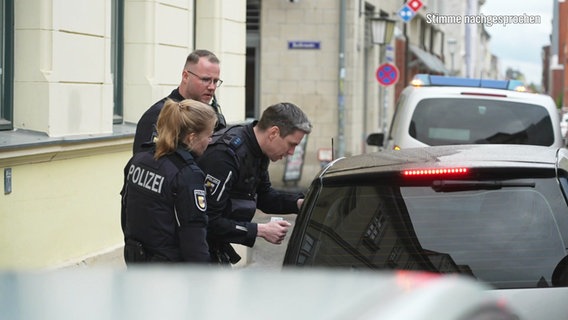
[236, 141]
[211, 184]
[233, 140]
[200, 202]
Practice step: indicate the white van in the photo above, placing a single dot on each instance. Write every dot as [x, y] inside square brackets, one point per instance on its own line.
[439, 110]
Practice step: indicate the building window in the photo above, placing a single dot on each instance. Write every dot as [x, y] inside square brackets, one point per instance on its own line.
[117, 59]
[252, 77]
[6, 64]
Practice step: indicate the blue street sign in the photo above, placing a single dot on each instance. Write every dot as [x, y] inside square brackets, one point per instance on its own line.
[304, 45]
[406, 13]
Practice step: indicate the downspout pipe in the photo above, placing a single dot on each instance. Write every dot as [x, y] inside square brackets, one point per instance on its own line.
[341, 82]
[194, 24]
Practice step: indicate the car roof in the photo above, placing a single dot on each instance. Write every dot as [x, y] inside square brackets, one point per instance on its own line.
[425, 85]
[490, 93]
[452, 81]
[493, 155]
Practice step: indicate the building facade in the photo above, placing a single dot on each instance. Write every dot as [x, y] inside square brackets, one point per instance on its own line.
[77, 76]
[556, 60]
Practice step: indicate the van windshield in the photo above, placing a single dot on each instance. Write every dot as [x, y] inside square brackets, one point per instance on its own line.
[446, 121]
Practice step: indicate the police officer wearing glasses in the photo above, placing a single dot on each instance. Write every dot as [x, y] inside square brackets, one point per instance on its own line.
[199, 80]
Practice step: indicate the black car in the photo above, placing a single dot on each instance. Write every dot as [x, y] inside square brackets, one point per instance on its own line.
[497, 213]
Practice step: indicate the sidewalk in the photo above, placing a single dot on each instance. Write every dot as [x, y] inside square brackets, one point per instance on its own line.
[267, 255]
[263, 255]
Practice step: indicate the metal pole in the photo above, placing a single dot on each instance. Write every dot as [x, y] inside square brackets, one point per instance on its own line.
[383, 93]
[381, 103]
[452, 72]
[341, 98]
[385, 108]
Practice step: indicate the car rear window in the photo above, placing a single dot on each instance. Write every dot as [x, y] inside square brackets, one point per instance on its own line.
[510, 237]
[443, 121]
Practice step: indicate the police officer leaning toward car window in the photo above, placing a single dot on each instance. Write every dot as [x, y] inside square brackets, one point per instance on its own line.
[199, 81]
[164, 204]
[237, 180]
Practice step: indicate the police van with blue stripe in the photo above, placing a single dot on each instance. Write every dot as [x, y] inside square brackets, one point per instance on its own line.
[440, 110]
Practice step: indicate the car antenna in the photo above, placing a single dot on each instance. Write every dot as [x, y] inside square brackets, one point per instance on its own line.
[332, 150]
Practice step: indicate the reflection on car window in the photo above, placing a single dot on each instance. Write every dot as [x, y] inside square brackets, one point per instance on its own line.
[496, 234]
[507, 237]
[442, 121]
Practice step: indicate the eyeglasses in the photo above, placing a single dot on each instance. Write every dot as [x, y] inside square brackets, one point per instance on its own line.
[207, 81]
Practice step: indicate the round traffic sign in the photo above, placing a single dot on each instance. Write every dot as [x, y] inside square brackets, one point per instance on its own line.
[387, 74]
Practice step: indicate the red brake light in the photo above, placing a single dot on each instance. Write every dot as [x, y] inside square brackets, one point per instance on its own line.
[414, 279]
[437, 172]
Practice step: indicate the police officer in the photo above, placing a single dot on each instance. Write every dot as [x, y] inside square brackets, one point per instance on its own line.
[236, 168]
[163, 198]
[199, 80]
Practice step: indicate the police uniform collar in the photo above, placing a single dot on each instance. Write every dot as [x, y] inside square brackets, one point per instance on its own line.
[186, 155]
[175, 95]
[254, 146]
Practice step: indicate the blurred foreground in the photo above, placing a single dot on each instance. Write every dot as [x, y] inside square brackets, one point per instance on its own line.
[190, 292]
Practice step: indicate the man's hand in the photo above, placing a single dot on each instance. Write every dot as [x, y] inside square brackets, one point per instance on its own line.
[299, 203]
[274, 231]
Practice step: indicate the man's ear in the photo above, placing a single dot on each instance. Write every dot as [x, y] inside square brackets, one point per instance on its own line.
[185, 74]
[273, 132]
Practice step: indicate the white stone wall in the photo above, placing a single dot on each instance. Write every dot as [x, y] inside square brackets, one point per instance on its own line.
[62, 51]
[62, 76]
[65, 203]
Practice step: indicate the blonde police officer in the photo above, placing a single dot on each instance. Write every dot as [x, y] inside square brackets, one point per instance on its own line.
[163, 198]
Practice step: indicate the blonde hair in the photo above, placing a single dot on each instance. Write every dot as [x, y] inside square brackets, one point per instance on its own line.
[178, 119]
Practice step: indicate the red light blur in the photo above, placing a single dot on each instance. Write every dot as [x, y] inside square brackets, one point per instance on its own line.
[484, 94]
[407, 279]
[434, 172]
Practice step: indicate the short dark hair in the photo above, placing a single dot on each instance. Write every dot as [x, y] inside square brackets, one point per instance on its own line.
[287, 116]
[193, 58]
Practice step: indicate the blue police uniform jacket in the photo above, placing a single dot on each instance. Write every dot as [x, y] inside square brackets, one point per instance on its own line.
[238, 183]
[146, 127]
[164, 206]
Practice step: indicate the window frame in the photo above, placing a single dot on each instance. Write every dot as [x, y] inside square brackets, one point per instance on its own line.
[7, 65]
[117, 60]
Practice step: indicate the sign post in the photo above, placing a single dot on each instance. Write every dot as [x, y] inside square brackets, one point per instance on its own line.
[387, 75]
[294, 163]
